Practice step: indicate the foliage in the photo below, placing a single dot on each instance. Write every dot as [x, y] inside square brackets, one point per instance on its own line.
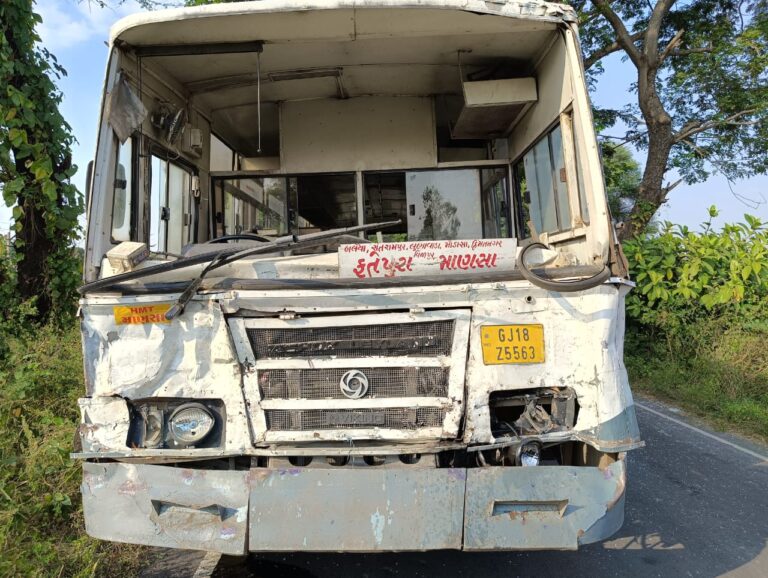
[622, 180]
[719, 372]
[35, 166]
[683, 276]
[41, 523]
[698, 320]
[701, 96]
[440, 219]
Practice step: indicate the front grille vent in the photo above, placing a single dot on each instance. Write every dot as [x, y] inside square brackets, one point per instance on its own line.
[385, 418]
[383, 382]
[423, 339]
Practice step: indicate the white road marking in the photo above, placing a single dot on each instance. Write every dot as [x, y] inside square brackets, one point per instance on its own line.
[702, 432]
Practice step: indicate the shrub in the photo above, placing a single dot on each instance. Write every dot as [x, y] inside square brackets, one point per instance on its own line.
[41, 523]
[683, 276]
[697, 322]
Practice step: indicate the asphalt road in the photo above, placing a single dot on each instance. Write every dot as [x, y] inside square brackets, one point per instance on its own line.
[697, 505]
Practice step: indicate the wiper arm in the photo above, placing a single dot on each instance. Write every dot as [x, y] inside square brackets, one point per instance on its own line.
[311, 239]
[282, 243]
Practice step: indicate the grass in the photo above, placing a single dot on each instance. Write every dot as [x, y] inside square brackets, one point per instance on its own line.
[718, 372]
[41, 523]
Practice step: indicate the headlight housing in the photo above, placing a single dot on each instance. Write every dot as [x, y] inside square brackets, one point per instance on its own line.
[190, 423]
[176, 423]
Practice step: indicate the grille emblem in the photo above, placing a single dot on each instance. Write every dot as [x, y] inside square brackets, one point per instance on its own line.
[354, 384]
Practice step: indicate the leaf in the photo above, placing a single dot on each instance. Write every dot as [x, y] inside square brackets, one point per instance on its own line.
[11, 190]
[49, 190]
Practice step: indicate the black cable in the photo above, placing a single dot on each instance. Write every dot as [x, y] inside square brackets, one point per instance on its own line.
[559, 286]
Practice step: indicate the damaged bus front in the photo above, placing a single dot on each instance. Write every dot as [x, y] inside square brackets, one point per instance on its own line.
[351, 283]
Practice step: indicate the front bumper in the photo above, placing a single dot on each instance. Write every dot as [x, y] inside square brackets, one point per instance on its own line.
[353, 509]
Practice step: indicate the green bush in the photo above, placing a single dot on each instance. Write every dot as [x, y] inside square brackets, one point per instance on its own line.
[697, 322]
[41, 524]
[683, 275]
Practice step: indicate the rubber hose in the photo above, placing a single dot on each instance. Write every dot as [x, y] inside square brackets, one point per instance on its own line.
[560, 286]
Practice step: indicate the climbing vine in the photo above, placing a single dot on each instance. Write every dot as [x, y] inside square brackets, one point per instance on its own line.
[35, 169]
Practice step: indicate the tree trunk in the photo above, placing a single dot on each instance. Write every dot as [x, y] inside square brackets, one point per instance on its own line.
[31, 269]
[652, 193]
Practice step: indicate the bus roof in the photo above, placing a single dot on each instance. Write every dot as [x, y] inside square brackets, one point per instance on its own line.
[332, 20]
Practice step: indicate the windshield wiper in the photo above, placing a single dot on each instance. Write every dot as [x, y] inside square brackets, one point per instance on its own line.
[282, 243]
[226, 256]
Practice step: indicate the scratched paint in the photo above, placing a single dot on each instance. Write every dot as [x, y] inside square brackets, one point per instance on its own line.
[378, 521]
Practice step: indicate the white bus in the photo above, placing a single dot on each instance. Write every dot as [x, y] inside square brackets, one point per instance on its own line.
[351, 283]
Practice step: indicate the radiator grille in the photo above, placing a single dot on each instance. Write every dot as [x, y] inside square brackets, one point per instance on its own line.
[383, 382]
[385, 418]
[428, 339]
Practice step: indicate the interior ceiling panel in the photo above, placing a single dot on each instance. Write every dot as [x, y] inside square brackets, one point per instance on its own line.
[277, 57]
[411, 66]
[237, 126]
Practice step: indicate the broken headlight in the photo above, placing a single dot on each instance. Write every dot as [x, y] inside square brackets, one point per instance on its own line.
[165, 423]
[529, 454]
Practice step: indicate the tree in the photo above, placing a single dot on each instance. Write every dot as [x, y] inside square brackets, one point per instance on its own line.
[36, 165]
[701, 91]
[440, 220]
[622, 180]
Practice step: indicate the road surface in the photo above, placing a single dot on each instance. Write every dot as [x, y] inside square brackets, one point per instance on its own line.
[697, 505]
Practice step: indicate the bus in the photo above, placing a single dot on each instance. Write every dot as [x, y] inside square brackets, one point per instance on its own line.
[351, 283]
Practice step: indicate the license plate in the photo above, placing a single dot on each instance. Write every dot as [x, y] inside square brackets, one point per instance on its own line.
[512, 343]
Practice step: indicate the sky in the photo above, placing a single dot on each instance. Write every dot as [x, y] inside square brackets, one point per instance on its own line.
[76, 31]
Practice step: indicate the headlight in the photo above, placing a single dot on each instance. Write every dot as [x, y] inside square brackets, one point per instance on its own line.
[190, 423]
[530, 454]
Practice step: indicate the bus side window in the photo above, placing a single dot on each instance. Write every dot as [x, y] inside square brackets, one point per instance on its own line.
[122, 201]
[542, 188]
[171, 206]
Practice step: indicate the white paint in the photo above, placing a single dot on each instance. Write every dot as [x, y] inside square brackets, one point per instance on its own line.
[700, 431]
[378, 521]
[133, 29]
[367, 260]
[499, 92]
[192, 357]
[364, 133]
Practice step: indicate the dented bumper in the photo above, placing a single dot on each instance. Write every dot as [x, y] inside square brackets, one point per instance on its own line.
[353, 510]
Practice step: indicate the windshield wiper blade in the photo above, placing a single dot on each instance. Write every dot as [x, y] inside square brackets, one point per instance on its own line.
[283, 243]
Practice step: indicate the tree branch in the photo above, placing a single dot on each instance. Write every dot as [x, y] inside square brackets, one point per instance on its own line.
[654, 29]
[601, 53]
[676, 39]
[671, 186]
[692, 128]
[688, 51]
[623, 37]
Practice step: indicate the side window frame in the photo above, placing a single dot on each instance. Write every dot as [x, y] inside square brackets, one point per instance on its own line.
[518, 193]
[155, 150]
[131, 194]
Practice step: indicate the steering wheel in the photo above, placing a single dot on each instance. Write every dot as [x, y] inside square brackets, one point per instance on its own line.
[239, 237]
